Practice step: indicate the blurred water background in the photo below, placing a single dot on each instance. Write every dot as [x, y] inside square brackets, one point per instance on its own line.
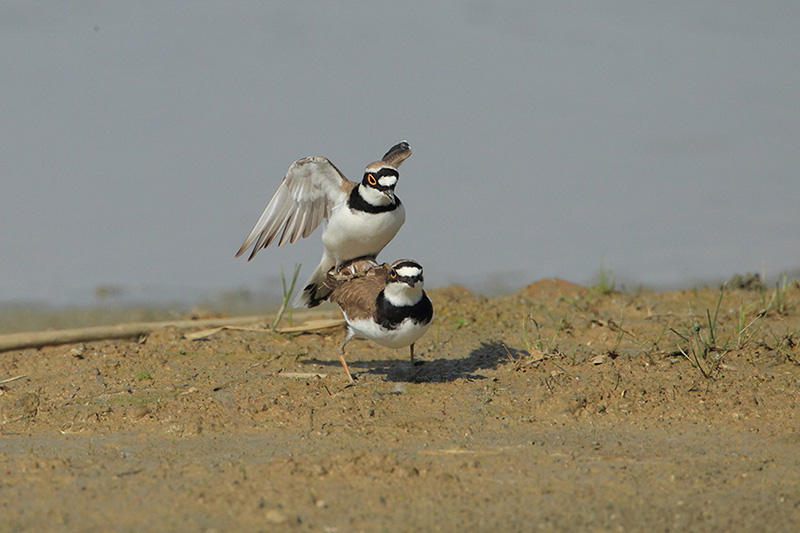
[141, 140]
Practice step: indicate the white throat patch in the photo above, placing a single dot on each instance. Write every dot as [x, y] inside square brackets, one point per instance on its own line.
[373, 196]
[401, 295]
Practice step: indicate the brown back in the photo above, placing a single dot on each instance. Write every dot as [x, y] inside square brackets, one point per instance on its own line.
[356, 287]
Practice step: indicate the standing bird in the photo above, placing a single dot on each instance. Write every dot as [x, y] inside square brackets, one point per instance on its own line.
[383, 303]
[362, 217]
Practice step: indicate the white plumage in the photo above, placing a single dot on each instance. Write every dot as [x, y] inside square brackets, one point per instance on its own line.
[405, 334]
[361, 217]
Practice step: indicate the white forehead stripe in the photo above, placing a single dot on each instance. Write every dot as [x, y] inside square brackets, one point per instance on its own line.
[387, 181]
[408, 272]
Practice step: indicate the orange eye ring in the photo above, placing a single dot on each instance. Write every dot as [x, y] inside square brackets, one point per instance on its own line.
[371, 179]
[393, 274]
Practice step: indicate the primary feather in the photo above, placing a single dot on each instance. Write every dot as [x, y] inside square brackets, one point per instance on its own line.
[305, 197]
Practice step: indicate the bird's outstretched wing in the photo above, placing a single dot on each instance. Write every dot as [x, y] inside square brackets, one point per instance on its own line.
[308, 192]
[397, 154]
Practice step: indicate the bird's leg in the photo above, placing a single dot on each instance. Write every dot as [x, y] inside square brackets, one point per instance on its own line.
[413, 362]
[346, 370]
[347, 337]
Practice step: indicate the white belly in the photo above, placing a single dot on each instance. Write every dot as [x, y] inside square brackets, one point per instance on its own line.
[405, 334]
[351, 234]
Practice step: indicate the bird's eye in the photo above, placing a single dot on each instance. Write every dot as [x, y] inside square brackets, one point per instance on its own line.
[371, 179]
[393, 274]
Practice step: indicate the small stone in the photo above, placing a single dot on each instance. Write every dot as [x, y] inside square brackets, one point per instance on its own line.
[599, 359]
[140, 411]
[275, 516]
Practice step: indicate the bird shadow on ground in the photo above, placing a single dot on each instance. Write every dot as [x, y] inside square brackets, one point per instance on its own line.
[487, 356]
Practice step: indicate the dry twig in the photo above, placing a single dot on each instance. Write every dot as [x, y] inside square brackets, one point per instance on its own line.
[38, 339]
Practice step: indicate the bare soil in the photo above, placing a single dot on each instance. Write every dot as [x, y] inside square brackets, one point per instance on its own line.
[558, 408]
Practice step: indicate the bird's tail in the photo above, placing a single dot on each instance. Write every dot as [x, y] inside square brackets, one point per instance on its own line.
[314, 291]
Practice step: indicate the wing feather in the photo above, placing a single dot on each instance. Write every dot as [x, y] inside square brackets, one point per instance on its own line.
[311, 188]
[317, 214]
[397, 154]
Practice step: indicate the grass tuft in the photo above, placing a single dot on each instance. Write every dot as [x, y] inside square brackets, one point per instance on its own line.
[706, 351]
[782, 303]
[287, 295]
[543, 346]
[700, 347]
[606, 281]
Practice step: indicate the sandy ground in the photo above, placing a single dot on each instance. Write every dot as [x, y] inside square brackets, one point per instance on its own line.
[557, 408]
